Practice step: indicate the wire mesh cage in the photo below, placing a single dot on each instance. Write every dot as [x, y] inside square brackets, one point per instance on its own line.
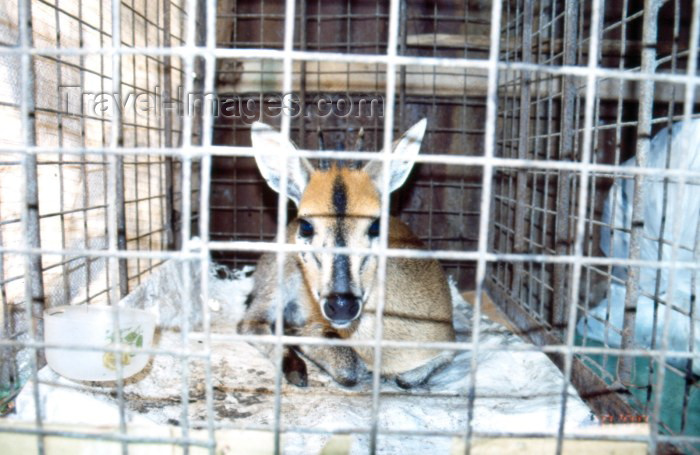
[558, 174]
[572, 212]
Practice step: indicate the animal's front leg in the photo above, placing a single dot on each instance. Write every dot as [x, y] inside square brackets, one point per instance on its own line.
[340, 362]
[421, 375]
[293, 366]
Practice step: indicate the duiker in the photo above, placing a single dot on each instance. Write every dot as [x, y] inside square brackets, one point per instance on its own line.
[336, 295]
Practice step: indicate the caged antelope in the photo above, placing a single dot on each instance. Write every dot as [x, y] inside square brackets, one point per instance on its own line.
[335, 295]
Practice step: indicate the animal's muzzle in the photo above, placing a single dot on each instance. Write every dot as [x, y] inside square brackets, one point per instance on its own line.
[341, 307]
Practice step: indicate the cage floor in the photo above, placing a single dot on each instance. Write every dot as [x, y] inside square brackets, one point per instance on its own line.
[515, 391]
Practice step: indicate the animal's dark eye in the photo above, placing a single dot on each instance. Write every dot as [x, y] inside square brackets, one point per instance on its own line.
[306, 229]
[374, 229]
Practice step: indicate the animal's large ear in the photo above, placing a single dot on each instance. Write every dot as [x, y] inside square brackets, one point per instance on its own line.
[406, 146]
[266, 139]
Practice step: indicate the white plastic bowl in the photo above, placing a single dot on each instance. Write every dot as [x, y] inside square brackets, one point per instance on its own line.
[93, 326]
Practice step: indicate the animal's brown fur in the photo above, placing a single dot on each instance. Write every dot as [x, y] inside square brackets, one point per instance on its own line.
[418, 302]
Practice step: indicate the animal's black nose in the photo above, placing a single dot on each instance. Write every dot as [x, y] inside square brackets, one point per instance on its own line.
[341, 307]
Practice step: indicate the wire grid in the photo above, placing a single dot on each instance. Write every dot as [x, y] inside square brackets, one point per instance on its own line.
[545, 175]
[76, 200]
[559, 212]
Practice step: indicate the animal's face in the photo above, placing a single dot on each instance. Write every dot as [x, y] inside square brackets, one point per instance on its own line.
[337, 207]
[340, 207]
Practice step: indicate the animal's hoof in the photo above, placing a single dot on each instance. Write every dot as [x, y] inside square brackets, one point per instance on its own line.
[412, 379]
[297, 378]
[404, 384]
[347, 381]
[294, 369]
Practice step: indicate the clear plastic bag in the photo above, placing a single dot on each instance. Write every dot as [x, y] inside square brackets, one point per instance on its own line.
[685, 154]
